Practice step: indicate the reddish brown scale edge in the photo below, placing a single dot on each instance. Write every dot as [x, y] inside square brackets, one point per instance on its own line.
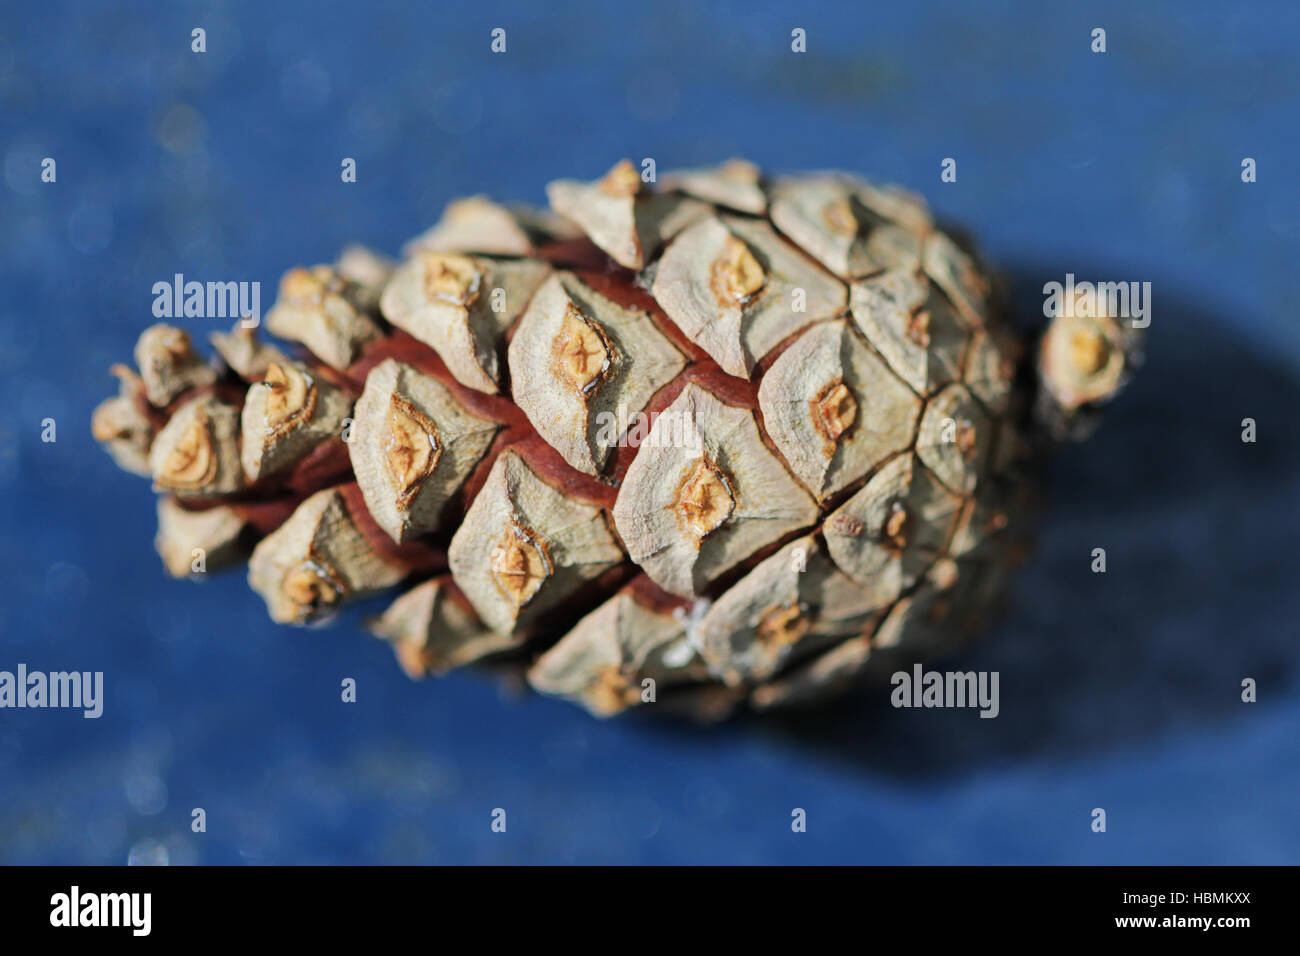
[262, 517]
[551, 467]
[230, 393]
[326, 464]
[579, 253]
[420, 558]
[728, 388]
[623, 290]
[409, 350]
[651, 596]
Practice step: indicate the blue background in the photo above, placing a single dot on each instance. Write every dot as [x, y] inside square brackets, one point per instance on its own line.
[1119, 691]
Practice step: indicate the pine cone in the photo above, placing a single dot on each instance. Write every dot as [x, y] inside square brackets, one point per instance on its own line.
[718, 441]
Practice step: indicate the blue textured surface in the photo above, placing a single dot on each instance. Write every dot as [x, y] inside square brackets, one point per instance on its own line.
[1118, 691]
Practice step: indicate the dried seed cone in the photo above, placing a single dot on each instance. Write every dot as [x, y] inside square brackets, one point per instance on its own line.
[722, 440]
